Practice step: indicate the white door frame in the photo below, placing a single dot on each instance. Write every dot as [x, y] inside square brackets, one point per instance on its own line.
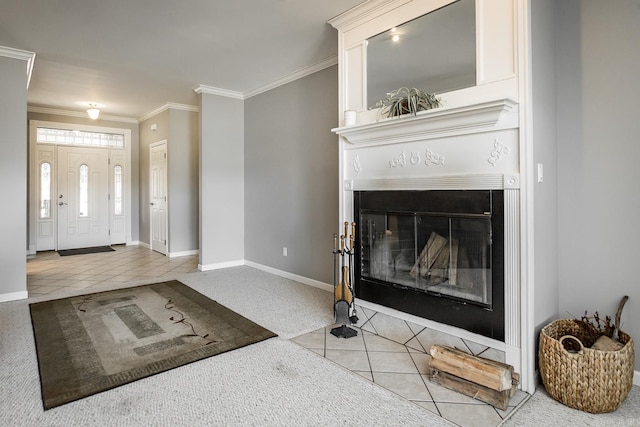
[166, 182]
[33, 168]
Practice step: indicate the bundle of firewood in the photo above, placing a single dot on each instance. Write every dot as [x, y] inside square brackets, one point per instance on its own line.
[483, 379]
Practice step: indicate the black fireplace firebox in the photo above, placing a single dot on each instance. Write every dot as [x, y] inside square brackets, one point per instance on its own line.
[436, 254]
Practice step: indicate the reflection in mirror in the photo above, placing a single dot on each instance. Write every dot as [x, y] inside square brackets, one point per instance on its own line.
[435, 53]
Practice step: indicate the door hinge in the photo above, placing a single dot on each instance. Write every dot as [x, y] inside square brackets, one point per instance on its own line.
[165, 155]
[109, 232]
[165, 243]
[108, 196]
[109, 161]
[165, 198]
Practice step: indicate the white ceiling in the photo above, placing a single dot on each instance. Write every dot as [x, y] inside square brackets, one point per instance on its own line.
[133, 56]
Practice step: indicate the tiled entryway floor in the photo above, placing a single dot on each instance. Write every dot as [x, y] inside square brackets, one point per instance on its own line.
[50, 273]
[403, 370]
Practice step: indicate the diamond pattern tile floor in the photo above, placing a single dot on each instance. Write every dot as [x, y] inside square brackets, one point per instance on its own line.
[403, 370]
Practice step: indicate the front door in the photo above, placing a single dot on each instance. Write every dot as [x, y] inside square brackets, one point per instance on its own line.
[83, 197]
[158, 161]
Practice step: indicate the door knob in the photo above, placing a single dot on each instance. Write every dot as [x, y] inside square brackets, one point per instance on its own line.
[61, 204]
[152, 204]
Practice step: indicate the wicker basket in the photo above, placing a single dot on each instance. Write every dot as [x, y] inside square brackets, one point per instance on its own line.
[589, 380]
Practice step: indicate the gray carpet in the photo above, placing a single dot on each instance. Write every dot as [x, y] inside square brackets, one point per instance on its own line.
[542, 410]
[274, 382]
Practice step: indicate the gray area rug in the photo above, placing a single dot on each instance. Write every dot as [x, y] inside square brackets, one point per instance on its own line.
[92, 343]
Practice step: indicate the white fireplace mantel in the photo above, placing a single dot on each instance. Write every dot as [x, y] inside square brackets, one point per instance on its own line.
[436, 123]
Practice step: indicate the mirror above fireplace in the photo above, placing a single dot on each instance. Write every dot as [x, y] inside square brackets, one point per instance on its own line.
[435, 53]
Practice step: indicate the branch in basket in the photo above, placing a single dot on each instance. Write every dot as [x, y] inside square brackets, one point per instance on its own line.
[597, 327]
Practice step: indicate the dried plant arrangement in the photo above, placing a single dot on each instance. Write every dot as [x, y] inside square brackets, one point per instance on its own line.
[596, 327]
[598, 333]
[406, 101]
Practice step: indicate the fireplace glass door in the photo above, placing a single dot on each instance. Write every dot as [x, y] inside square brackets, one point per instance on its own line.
[447, 255]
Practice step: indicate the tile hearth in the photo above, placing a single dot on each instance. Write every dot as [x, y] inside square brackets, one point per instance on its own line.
[402, 369]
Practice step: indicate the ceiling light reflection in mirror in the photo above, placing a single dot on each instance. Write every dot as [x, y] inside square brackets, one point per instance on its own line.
[435, 53]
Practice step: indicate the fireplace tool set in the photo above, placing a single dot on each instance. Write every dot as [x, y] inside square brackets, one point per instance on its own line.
[344, 300]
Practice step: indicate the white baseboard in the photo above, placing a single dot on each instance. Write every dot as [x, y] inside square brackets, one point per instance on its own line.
[636, 378]
[291, 276]
[14, 296]
[183, 253]
[169, 254]
[220, 265]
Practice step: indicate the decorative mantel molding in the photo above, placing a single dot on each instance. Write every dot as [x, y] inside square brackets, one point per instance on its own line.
[436, 123]
[440, 182]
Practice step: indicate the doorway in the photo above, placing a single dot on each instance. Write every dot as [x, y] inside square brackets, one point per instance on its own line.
[80, 187]
[158, 196]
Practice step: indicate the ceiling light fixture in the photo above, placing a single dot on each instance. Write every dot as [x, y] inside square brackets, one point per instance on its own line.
[93, 111]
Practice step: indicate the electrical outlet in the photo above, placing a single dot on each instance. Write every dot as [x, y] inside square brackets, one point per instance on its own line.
[284, 251]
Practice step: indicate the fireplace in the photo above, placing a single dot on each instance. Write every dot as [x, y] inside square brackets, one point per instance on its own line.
[437, 199]
[435, 254]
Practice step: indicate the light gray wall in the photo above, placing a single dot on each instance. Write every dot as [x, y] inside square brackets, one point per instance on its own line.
[291, 162]
[13, 177]
[221, 180]
[148, 137]
[598, 152]
[183, 180]
[135, 183]
[544, 123]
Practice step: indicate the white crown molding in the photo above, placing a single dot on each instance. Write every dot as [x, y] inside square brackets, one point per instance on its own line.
[168, 106]
[364, 12]
[303, 72]
[210, 90]
[24, 55]
[81, 114]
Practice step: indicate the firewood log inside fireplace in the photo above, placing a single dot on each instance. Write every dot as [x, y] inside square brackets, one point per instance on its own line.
[442, 260]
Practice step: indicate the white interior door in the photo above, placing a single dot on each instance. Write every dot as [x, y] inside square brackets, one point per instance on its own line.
[83, 197]
[158, 196]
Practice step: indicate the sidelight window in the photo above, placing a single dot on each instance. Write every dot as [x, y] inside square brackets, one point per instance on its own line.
[117, 190]
[83, 199]
[45, 190]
